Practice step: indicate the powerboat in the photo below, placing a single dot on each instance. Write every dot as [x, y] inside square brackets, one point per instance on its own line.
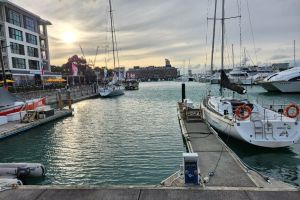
[252, 123]
[131, 84]
[287, 81]
[241, 77]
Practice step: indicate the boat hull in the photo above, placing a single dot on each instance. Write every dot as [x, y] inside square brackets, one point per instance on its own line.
[284, 133]
[111, 93]
[19, 106]
[287, 87]
[268, 86]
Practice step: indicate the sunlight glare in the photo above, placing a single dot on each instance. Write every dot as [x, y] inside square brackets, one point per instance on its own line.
[68, 37]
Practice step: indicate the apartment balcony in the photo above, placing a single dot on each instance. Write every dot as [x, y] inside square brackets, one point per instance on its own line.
[2, 35]
[43, 47]
[43, 36]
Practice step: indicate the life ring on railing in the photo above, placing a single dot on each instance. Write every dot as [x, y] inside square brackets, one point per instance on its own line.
[292, 106]
[246, 112]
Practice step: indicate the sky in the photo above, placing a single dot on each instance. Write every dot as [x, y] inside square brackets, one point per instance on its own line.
[148, 31]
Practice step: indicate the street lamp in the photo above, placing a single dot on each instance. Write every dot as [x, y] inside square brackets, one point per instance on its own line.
[2, 65]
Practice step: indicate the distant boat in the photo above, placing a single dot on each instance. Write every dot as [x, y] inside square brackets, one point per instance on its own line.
[115, 87]
[287, 81]
[241, 77]
[215, 78]
[131, 84]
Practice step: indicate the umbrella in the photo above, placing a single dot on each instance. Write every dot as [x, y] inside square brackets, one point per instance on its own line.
[55, 80]
[7, 81]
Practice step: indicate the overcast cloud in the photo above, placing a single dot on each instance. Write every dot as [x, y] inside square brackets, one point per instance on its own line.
[148, 31]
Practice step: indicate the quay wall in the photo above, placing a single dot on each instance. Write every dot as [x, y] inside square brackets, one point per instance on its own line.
[77, 94]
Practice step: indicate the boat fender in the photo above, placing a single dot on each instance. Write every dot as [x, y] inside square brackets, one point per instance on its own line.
[243, 112]
[294, 114]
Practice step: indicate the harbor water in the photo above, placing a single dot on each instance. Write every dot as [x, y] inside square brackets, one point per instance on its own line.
[135, 139]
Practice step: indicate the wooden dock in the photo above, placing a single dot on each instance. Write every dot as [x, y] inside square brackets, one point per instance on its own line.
[14, 128]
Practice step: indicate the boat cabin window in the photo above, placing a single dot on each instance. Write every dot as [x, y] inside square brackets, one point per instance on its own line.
[295, 79]
[272, 76]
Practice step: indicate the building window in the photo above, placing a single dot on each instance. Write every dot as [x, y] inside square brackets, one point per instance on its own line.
[15, 34]
[13, 17]
[32, 39]
[33, 52]
[34, 64]
[17, 48]
[29, 24]
[18, 63]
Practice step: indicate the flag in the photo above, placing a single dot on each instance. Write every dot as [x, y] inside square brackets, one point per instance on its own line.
[74, 69]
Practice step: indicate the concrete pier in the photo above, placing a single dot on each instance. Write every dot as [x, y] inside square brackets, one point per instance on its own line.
[14, 128]
[139, 193]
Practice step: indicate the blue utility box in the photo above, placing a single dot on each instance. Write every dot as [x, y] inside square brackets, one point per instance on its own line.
[190, 167]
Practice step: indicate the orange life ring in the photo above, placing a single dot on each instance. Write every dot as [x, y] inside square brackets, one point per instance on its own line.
[238, 112]
[292, 106]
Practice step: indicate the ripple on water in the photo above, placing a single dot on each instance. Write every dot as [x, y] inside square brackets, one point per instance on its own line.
[133, 139]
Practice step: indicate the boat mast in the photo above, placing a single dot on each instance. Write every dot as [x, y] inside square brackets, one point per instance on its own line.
[222, 48]
[213, 41]
[232, 56]
[294, 53]
[112, 32]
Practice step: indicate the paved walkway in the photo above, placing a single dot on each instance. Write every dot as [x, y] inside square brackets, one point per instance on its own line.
[142, 194]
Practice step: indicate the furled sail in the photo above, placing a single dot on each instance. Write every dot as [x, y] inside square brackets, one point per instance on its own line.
[225, 82]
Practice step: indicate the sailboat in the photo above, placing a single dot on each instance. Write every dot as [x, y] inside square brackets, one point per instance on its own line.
[248, 121]
[115, 87]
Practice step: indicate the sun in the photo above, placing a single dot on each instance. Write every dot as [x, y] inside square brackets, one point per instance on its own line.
[68, 37]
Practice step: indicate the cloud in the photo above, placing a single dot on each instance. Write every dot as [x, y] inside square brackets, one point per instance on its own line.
[149, 31]
[279, 57]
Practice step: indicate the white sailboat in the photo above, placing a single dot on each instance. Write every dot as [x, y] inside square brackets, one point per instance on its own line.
[115, 87]
[250, 122]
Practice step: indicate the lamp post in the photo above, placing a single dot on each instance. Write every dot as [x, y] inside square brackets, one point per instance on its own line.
[2, 65]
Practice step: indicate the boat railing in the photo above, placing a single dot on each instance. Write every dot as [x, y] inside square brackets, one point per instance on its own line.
[277, 108]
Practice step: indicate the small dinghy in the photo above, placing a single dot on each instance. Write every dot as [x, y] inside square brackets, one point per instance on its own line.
[22, 170]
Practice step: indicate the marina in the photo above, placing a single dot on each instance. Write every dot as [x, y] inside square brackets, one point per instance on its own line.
[105, 109]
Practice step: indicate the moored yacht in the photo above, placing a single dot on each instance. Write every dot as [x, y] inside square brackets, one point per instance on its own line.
[241, 77]
[252, 123]
[287, 81]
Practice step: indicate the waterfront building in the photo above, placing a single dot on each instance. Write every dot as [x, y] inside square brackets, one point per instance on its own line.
[153, 73]
[24, 42]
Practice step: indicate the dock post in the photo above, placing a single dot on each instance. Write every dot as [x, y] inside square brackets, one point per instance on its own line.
[69, 99]
[60, 104]
[182, 92]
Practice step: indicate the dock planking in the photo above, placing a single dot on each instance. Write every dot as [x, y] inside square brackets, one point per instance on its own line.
[216, 158]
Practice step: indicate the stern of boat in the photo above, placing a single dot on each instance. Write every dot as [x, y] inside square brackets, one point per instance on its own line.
[272, 133]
